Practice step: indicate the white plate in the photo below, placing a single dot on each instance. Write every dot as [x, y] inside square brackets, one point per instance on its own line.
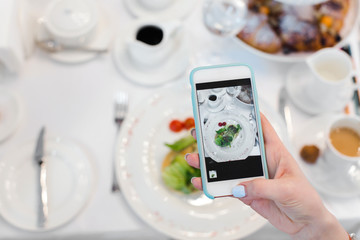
[10, 113]
[297, 85]
[302, 2]
[241, 146]
[139, 155]
[173, 67]
[70, 184]
[179, 9]
[349, 25]
[101, 39]
[323, 176]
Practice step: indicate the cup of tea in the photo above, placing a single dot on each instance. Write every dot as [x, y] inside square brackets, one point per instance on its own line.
[330, 73]
[151, 42]
[71, 22]
[343, 143]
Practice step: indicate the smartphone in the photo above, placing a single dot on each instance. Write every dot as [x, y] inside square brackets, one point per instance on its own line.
[228, 127]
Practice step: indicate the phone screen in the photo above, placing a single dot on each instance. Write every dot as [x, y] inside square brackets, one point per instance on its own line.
[229, 130]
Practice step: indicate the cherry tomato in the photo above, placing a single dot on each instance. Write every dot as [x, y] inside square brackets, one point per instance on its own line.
[176, 126]
[189, 123]
[224, 123]
[219, 124]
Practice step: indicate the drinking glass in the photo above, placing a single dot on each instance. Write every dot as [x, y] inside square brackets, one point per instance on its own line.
[225, 17]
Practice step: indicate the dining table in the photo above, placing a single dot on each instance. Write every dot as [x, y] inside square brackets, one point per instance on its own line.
[76, 101]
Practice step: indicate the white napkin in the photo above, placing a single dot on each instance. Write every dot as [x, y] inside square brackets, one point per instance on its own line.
[11, 50]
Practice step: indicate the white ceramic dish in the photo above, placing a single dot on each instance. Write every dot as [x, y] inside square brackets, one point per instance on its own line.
[70, 184]
[139, 154]
[100, 39]
[241, 146]
[296, 85]
[173, 67]
[10, 113]
[179, 9]
[350, 24]
[323, 176]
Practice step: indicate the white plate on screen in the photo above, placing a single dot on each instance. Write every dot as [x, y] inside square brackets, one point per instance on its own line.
[10, 113]
[240, 147]
[324, 177]
[178, 9]
[349, 25]
[70, 184]
[139, 155]
[170, 69]
[101, 39]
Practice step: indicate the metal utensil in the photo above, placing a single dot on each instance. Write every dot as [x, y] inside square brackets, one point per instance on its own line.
[284, 110]
[120, 111]
[43, 196]
[53, 46]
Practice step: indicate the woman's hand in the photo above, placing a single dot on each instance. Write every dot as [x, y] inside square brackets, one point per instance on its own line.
[286, 200]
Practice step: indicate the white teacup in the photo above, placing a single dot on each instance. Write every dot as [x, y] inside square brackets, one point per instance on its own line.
[152, 42]
[214, 101]
[71, 22]
[330, 72]
[340, 159]
[156, 4]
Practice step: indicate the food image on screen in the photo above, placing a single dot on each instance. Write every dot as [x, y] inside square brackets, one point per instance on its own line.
[225, 135]
[229, 130]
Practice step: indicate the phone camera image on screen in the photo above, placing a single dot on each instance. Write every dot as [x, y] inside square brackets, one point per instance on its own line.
[229, 129]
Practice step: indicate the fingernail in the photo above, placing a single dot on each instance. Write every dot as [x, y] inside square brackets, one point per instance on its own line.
[192, 131]
[239, 191]
[192, 179]
[186, 155]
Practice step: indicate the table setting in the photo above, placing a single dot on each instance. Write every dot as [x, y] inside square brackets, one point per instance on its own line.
[96, 113]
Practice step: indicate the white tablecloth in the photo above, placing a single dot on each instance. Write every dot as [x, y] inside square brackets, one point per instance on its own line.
[76, 101]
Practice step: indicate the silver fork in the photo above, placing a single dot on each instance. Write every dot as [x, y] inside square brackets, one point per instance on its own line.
[120, 110]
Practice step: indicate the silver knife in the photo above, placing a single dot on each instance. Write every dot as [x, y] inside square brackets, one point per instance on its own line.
[43, 196]
[285, 111]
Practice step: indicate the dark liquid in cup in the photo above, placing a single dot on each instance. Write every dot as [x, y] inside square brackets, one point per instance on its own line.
[212, 97]
[151, 35]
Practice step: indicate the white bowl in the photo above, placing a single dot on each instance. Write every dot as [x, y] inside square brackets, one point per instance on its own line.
[350, 24]
[71, 22]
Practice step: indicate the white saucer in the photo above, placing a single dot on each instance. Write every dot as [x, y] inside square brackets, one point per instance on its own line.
[323, 176]
[297, 84]
[101, 39]
[10, 113]
[173, 66]
[70, 183]
[179, 9]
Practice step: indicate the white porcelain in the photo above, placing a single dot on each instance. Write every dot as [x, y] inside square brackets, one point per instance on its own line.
[171, 69]
[331, 72]
[156, 5]
[101, 39]
[10, 113]
[331, 154]
[324, 176]
[146, 55]
[299, 82]
[169, 9]
[302, 2]
[71, 22]
[70, 184]
[179, 216]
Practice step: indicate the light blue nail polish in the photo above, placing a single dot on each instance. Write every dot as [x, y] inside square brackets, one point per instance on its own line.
[239, 191]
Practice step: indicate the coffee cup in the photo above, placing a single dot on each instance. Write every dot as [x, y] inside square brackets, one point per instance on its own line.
[343, 143]
[155, 5]
[151, 42]
[330, 72]
[71, 22]
[214, 101]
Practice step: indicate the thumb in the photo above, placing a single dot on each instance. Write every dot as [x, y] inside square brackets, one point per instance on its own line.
[258, 189]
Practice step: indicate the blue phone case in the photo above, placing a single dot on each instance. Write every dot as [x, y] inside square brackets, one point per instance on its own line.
[197, 124]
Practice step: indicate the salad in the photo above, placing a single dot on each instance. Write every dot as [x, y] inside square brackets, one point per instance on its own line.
[227, 134]
[176, 172]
